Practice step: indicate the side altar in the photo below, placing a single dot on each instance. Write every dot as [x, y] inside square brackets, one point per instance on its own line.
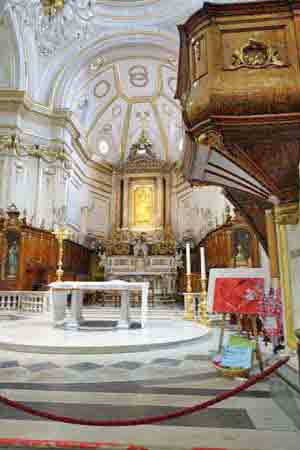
[141, 246]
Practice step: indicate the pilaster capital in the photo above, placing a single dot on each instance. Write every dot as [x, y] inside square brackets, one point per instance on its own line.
[287, 214]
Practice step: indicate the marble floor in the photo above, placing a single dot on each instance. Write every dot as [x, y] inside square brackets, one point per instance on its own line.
[94, 336]
[136, 384]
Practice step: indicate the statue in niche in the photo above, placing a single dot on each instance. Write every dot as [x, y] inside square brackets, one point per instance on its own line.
[12, 260]
[242, 248]
[179, 259]
[140, 246]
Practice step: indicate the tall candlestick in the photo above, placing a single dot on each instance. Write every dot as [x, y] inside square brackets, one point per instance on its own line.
[202, 258]
[61, 234]
[188, 258]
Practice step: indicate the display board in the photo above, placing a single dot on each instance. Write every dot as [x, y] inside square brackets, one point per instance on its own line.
[237, 290]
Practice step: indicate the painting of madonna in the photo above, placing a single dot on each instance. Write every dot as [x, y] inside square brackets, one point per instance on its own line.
[238, 295]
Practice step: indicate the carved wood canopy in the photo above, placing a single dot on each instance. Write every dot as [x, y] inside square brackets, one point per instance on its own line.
[248, 94]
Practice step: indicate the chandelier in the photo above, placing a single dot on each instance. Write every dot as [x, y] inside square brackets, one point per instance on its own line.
[56, 23]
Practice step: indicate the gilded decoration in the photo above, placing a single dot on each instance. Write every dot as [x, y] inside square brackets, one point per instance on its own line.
[256, 55]
[115, 246]
[13, 144]
[143, 206]
[287, 214]
[167, 246]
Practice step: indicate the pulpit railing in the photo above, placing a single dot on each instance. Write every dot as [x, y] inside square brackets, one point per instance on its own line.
[25, 301]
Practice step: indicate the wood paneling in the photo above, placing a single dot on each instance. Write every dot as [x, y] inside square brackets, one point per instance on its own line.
[37, 259]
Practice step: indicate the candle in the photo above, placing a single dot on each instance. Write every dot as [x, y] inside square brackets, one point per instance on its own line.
[202, 258]
[188, 258]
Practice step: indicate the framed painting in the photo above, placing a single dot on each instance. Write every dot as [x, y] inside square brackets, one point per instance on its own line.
[237, 290]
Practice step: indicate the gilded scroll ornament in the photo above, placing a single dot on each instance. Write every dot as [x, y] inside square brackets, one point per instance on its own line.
[256, 55]
[13, 144]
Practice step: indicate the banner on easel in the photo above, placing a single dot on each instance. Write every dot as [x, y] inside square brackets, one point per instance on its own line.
[236, 290]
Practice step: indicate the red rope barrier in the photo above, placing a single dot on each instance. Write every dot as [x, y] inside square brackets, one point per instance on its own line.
[147, 420]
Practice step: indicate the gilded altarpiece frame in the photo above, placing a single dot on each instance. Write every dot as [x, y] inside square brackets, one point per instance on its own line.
[142, 205]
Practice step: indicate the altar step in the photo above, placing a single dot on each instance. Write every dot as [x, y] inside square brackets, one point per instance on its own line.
[108, 312]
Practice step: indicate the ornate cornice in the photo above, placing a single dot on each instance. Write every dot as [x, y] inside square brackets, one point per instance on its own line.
[13, 100]
[144, 165]
[12, 144]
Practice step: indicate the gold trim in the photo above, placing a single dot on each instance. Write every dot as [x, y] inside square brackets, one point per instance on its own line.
[125, 131]
[286, 284]
[100, 113]
[272, 243]
[164, 136]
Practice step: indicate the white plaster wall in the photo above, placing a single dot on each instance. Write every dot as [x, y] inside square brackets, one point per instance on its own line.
[264, 262]
[198, 211]
[74, 206]
[98, 221]
[6, 57]
[293, 240]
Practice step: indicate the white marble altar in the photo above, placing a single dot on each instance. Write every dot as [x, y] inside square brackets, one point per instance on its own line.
[159, 271]
[58, 299]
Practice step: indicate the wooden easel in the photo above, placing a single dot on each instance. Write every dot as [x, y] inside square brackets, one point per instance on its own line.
[253, 318]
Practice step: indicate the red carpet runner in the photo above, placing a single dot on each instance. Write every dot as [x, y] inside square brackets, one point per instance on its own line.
[30, 443]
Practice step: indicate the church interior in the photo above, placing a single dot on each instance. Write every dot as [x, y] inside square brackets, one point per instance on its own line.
[149, 224]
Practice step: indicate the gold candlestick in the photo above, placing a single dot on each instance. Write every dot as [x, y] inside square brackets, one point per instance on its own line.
[61, 234]
[188, 297]
[203, 302]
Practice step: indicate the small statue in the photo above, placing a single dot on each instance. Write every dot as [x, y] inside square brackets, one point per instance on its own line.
[24, 217]
[102, 259]
[179, 259]
[240, 259]
[12, 259]
[140, 246]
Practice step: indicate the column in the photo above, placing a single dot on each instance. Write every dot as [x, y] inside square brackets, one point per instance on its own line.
[126, 203]
[115, 207]
[144, 308]
[160, 205]
[272, 245]
[124, 321]
[59, 304]
[75, 318]
[286, 214]
[168, 200]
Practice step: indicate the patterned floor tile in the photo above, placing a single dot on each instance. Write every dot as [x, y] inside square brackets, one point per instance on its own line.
[81, 367]
[167, 362]
[197, 357]
[41, 366]
[8, 364]
[130, 365]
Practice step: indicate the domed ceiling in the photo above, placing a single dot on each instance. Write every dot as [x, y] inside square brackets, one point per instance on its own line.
[121, 81]
[120, 99]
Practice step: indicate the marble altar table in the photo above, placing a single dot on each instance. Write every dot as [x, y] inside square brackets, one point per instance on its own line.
[60, 290]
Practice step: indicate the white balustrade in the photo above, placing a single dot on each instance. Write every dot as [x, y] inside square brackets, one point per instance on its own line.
[25, 301]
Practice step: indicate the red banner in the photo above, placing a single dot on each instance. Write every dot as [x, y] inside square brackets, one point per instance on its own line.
[238, 295]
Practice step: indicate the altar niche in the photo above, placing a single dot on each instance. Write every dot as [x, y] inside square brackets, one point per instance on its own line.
[141, 246]
[142, 202]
